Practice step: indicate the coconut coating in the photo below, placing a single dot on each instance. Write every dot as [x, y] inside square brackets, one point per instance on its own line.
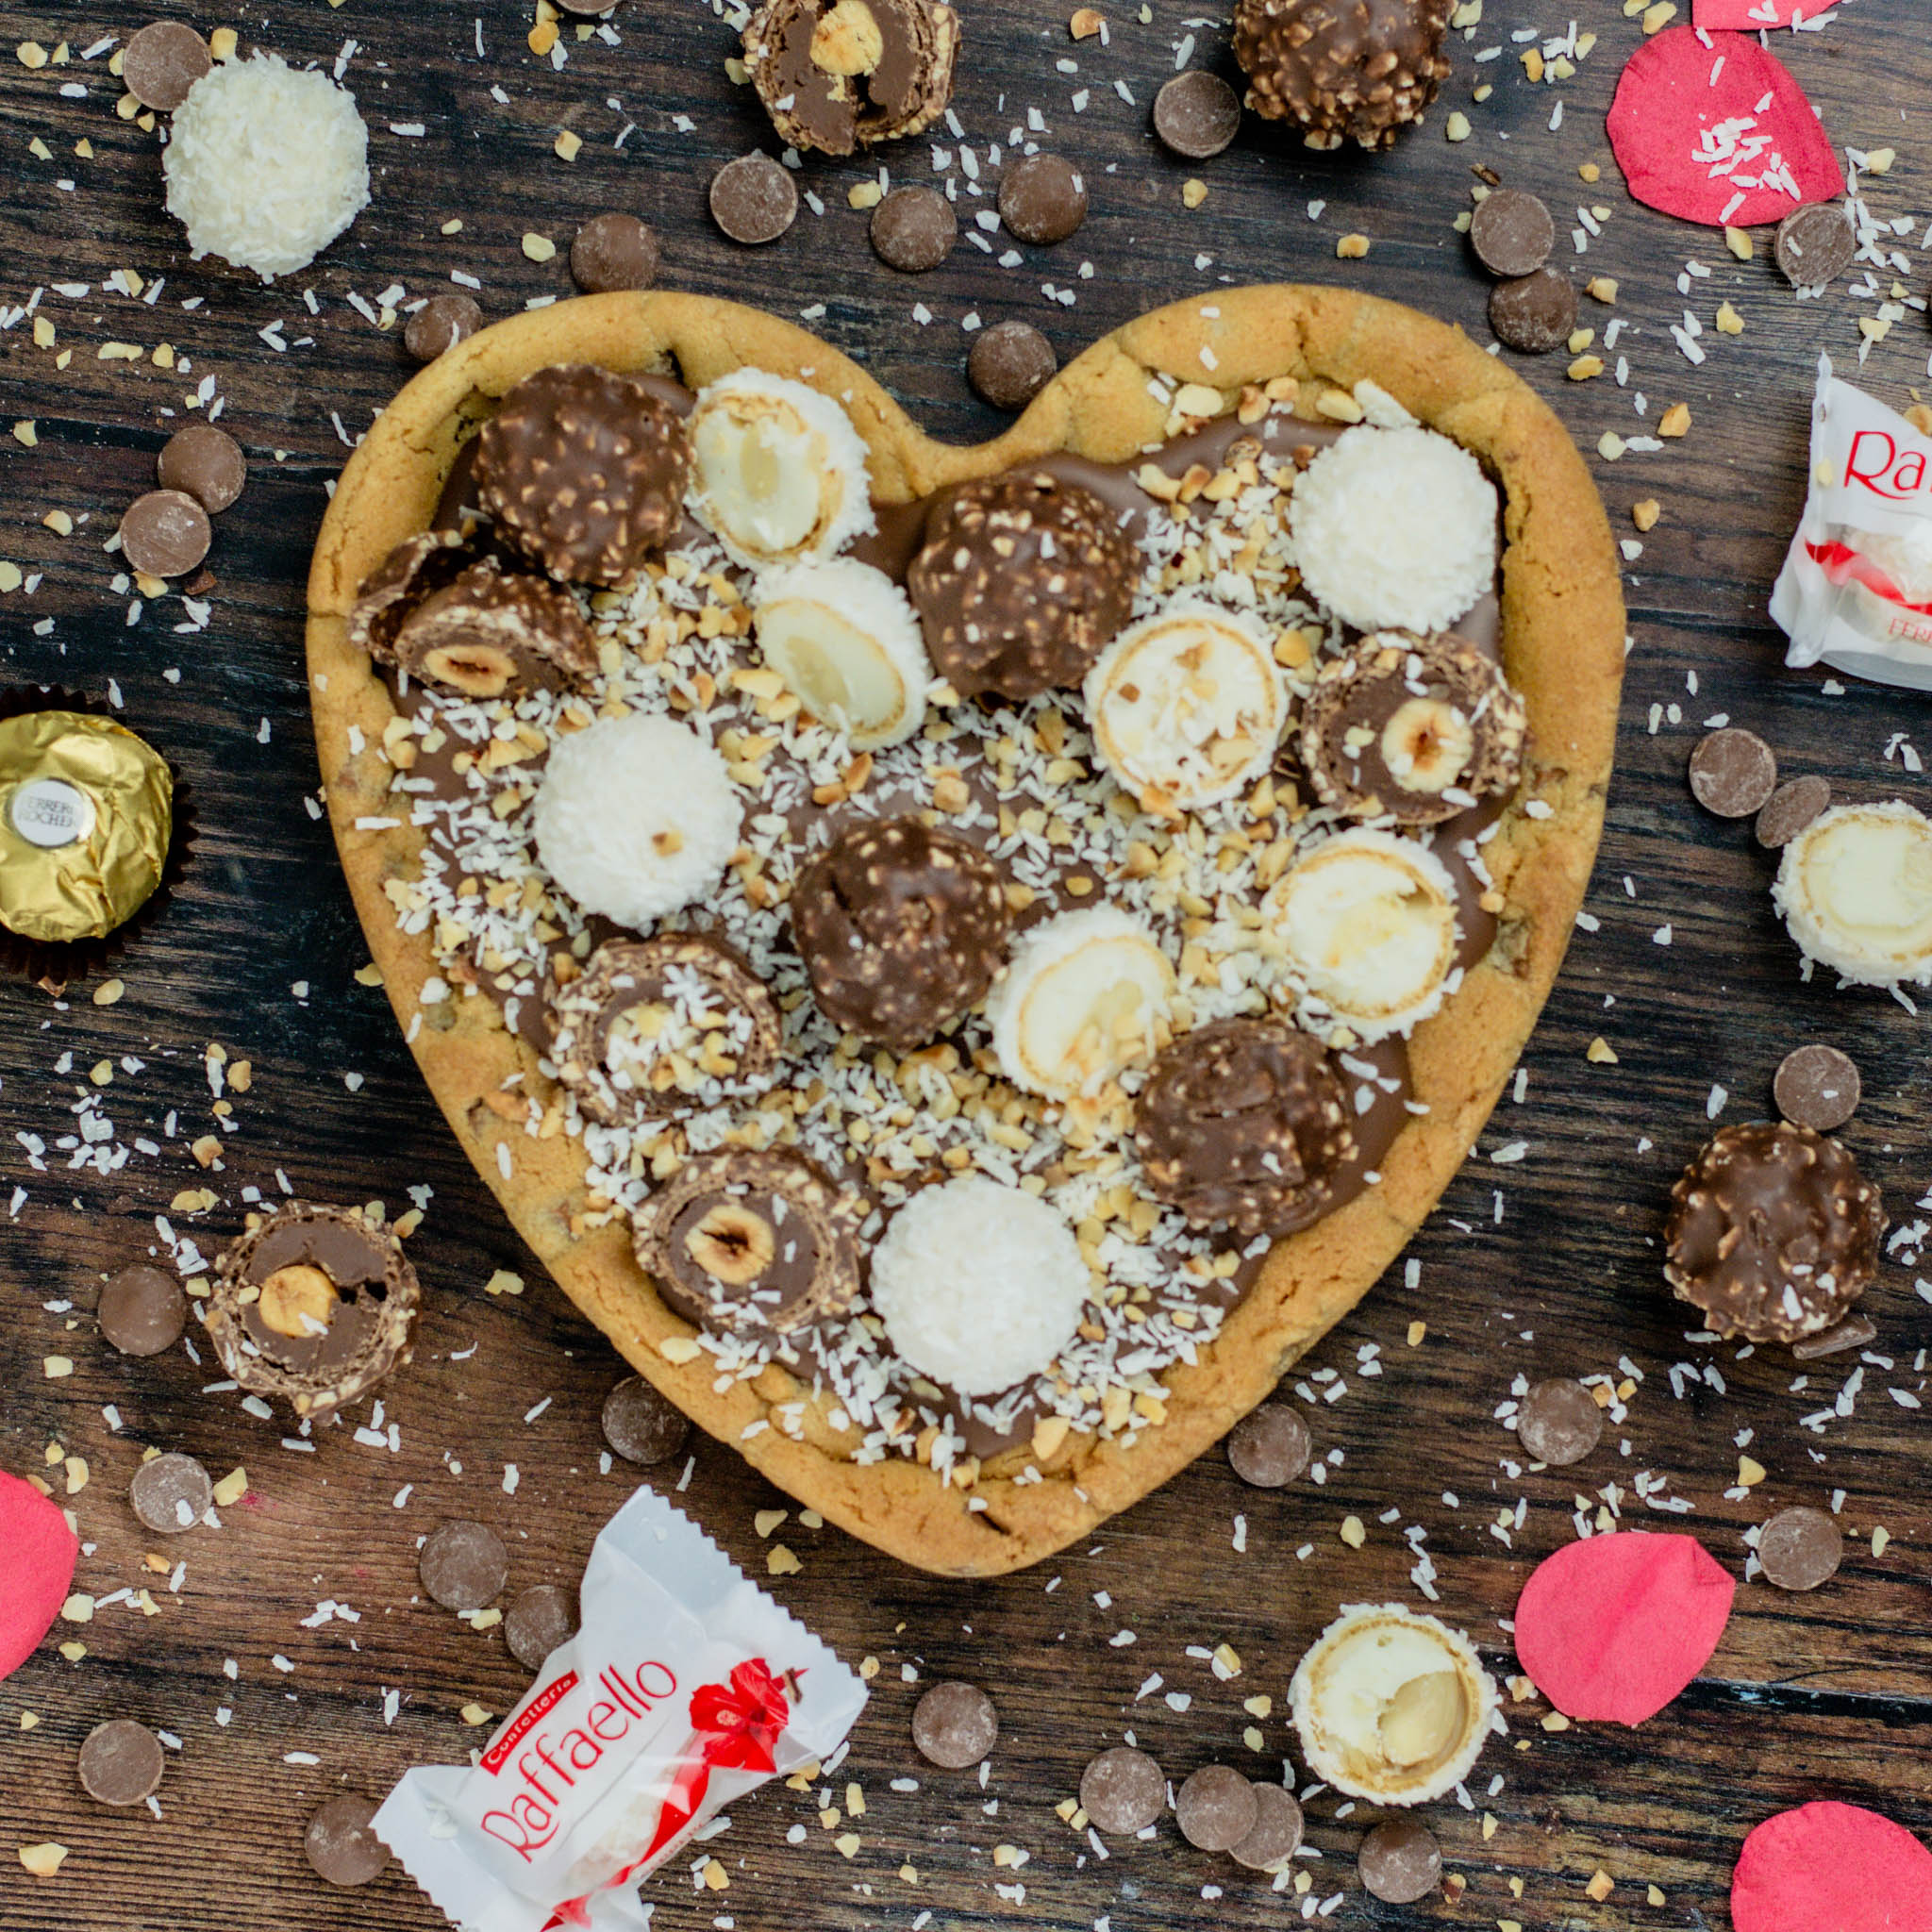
[1774, 1232]
[1023, 580]
[902, 927]
[1242, 1124]
[746, 1240]
[1412, 729]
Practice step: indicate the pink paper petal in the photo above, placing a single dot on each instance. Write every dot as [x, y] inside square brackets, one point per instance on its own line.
[1832, 1867]
[1742, 148]
[1749, 15]
[36, 1569]
[1615, 1626]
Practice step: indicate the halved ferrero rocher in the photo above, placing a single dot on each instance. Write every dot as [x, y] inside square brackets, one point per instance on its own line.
[843, 638]
[313, 1306]
[492, 632]
[414, 571]
[1186, 706]
[1411, 728]
[778, 473]
[746, 1241]
[1086, 995]
[1391, 1705]
[835, 75]
[665, 1025]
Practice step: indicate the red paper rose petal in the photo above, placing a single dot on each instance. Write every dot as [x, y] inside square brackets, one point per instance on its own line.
[1615, 1626]
[1718, 134]
[1832, 1867]
[35, 1570]
[1749, 15]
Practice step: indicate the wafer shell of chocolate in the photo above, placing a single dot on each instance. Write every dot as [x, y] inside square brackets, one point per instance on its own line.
[840, 75]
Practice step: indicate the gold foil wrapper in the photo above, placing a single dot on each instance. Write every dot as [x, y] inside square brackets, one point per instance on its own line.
[86, 814]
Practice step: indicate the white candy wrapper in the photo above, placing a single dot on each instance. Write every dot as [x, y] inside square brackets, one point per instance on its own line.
[685, 1687]
[1857, 587]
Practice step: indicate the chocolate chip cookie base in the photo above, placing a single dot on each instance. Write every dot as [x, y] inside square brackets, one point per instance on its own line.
[1563, 649]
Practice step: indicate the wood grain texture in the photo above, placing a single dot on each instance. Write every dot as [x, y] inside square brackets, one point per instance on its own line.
[1824, 1696]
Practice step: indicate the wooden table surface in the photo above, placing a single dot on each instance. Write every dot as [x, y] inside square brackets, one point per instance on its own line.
[1547, 1264]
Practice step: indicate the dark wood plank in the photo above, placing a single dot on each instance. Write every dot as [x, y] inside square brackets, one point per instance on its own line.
[1819, 1696]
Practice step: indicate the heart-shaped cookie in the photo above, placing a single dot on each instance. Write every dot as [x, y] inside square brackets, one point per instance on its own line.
[1330, 355]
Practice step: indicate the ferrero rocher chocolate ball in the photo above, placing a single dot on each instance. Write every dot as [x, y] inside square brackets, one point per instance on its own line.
[902, 927]
[1773, 1232]
[1241, 1125]
[1023, 580]
[1342, 70]
[583, 471]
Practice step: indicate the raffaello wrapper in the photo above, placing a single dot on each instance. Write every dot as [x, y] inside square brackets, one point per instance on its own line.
[685, 1687]
[1856, 592]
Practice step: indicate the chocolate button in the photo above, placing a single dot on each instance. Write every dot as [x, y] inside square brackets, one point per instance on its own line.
[142, 1311]
[1216, 1808]
[1534, 313]
[753, 199]
[463, 1565]
[1197, 114]
[954, 1726]
[341, 1845]
[1042, 198]
[1122, 1791]
[1269, 1447]
[1560, 1423]
[171, 1494]
[120, 1762]
[538, 1622]
[203, 462]
[1400, 1862]
[913, 229]
[440, 324]
[1009, 364]
[1817, 1087]
[1815, 244]
[1733, 773]
[161, 63]
[640, 1424]
[1799, 1549]
[1791, 808]
[165, 533]
[1277, 1830]
[612, 252]
[1512, 233]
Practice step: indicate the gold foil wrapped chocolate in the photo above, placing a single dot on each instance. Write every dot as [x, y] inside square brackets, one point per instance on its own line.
[86, 815]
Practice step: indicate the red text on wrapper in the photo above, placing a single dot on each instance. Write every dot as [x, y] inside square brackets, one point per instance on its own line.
[1882, 467]
[547, 1766]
